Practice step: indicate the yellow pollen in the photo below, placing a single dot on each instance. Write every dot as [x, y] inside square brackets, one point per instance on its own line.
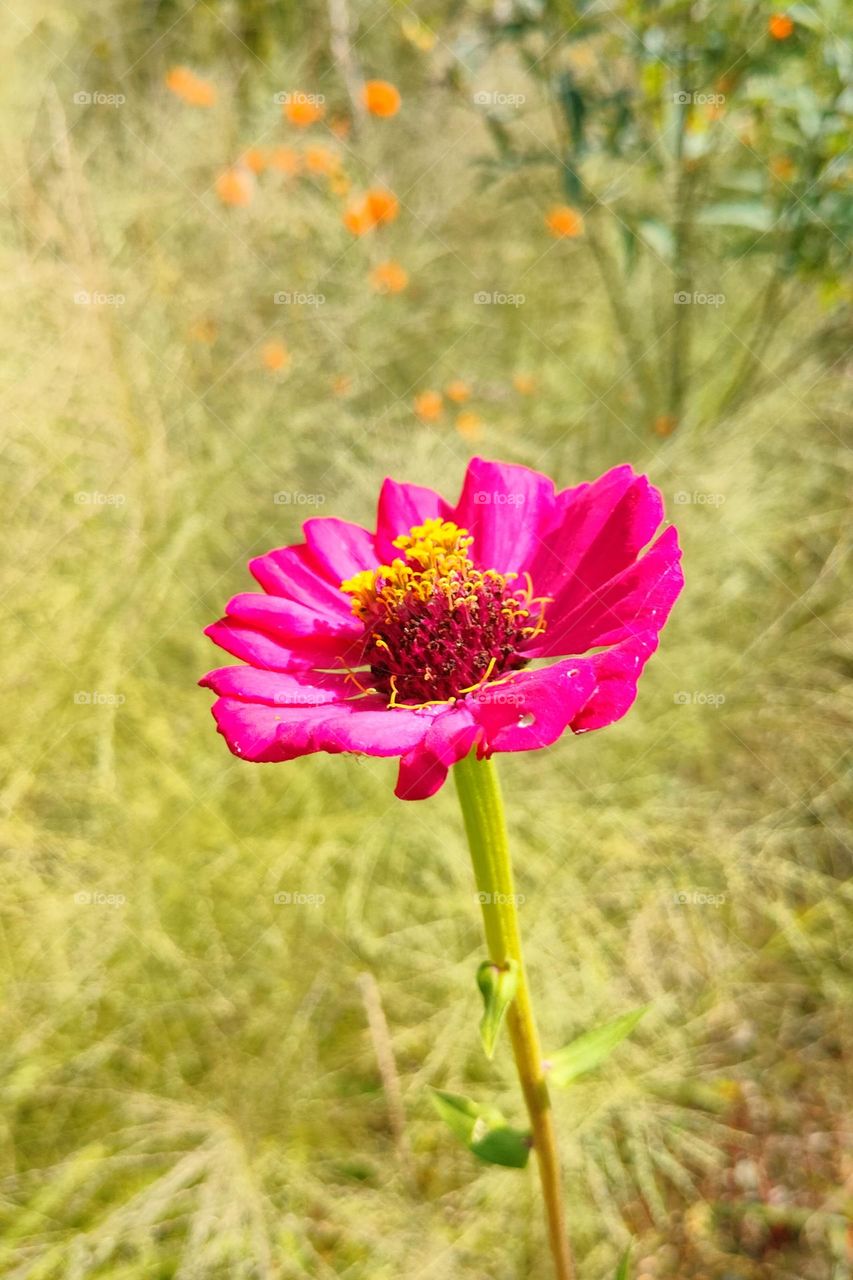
[432, 613]
[435, 554]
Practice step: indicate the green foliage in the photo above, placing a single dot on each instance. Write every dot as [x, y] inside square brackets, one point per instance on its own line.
[623, 1270]
[483, 1129]
[591, 1049]
[497, 987]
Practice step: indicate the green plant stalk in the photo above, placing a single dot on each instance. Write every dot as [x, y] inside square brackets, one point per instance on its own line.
[684, 201]
[485, 824]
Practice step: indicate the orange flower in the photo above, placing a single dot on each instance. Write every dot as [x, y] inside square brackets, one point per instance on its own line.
[256, 159]
[524, 383]
[780, 26]
[383, 205]
[190, 88]
[429, 406]
[236, 186]
[275, 356]
[565, 221]
[381, 98]
[665, 424]
[286, 160]
[302, 109]
[322, 160]
[368, 211]
[357, 218]
[458, 391]
[469, 424]
[389, 277]
[341, 384]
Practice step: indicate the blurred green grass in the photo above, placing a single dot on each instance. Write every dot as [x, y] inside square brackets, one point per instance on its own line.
[189, 1085]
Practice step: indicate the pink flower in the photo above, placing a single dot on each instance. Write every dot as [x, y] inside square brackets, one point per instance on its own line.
[416, 640]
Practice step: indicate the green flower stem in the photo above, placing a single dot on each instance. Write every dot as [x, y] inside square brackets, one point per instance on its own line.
[482, 809]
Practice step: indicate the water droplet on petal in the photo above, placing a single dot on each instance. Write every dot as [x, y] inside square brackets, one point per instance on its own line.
[525, 721]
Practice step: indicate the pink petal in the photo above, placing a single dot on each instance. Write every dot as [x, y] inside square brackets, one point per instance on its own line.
[533, 708]
[450, 737]
[637, 599]
[507, 510]
[340, 549]
[616, 672]
[264, 734]
[277, 688]
[401, 507]
[598, 530]
[286, 620]
[298, 654]
[294, 573]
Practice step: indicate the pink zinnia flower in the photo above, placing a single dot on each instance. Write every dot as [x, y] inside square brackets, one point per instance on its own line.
[425, 638]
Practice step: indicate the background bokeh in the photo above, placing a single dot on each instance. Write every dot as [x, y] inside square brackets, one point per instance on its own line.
[621, 234]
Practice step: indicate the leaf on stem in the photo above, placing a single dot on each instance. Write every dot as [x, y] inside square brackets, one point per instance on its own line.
[658, 237]
[498, 985]
[483, 1129]
[622, 1269]
[591, 1049]
[750, 214]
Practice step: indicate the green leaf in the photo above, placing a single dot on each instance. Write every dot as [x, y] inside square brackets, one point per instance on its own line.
[806, 17]
[622, 1269]
[572, 184]
[591, 1049]
[574, 108]
[483, 1129]
[504, 1146]
[500, 134]
[737, 213]
[658, 237]
[498, 985]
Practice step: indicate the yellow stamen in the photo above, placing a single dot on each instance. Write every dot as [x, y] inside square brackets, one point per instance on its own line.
[434, 577]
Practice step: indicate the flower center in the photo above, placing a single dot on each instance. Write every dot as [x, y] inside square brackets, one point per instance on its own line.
[436, 626]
